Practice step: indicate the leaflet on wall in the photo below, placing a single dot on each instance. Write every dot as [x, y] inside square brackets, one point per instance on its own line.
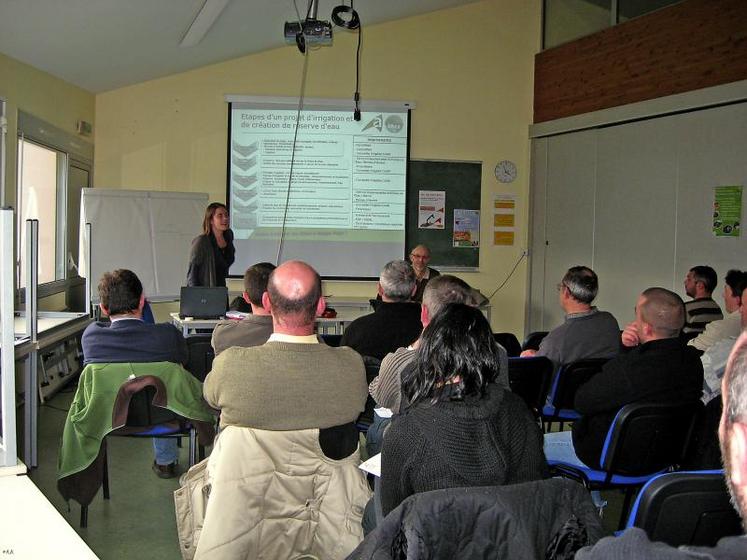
[727, 211]
[431, 209]
[504, 219]
[466, 228]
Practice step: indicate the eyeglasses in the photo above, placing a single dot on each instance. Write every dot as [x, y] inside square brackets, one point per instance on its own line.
[415, 256]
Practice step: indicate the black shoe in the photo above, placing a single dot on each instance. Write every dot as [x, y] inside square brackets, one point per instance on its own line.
[164, 471]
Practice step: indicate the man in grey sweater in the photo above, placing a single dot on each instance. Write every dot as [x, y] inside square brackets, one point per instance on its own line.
[292, 382]
[586, 332]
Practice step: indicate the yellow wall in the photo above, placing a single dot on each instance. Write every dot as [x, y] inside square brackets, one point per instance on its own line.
[53, 100]
[468, 69]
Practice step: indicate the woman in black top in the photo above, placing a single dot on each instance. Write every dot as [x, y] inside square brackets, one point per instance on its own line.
[461, 428]
[212, 252]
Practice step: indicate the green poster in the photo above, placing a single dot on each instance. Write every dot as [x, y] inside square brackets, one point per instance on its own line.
[727, 211]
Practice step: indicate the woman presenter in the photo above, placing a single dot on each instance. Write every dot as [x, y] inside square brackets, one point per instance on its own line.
[212, 252]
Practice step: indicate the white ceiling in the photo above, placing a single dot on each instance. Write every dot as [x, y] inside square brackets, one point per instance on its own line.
[101, 45]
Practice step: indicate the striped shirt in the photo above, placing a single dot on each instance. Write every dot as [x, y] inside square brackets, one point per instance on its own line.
[700, 312]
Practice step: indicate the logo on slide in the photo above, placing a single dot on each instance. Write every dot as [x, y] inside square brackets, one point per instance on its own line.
[394, 124]
[375, 122]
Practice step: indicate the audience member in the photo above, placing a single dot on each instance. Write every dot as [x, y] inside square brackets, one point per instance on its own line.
[700, 283]
[396, 321]
[420, 256]
[657, 367]
[127, 338]
[292, 382]
[256, 328]
[386, 388]
[732, 434]
[461, 428]
[715, 359]
[731, 325]
[586, 332]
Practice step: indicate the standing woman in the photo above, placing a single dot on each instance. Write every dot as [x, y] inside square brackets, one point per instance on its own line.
[212, 252]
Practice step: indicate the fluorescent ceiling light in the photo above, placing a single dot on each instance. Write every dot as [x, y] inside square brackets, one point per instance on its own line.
[202, 23]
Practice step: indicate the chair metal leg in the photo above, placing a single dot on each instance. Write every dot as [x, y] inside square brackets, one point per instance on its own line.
[626, 507]
[105, 482]
[83, 517]
[192, 447]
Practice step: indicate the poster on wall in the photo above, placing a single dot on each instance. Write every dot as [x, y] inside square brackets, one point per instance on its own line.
[431, 209]
[504, 219]
[466, 228]
[727, 211]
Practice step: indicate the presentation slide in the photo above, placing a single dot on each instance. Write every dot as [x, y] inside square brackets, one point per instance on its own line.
[343, 211]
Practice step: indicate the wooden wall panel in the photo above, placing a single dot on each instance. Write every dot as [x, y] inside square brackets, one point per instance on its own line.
[687, 46]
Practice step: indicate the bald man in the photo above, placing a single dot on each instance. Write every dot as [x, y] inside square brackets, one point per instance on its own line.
[292, 382]
[732, 435]
[656, 367]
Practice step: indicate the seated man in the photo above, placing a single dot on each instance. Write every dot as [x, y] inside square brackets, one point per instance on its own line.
[420, 256]
[715, 359]
[257, 327]
[699, 285]
[127, 338]
[586, 332]
[386, 388]
[732, 435]
[396, 321]
[731, 325]
[291, 382]
[658, 367]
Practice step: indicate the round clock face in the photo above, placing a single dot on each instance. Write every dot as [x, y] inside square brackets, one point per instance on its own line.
[505, 171]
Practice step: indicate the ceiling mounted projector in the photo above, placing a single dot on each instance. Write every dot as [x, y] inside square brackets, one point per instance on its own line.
[315, 32]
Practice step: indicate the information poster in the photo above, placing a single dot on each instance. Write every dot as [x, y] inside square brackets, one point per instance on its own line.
[431, 209]
[727, 211]
[466, 228]
[504, 219]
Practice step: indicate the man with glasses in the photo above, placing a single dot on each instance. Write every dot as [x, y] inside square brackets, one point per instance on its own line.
[586, 331]
[420, 256]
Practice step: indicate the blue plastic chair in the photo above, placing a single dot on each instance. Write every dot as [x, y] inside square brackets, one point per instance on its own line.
[529, 378]
[567, 380]
[686, 508]
[644, 440]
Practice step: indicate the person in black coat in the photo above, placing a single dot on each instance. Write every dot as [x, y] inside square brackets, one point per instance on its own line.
[212, 253]
[461, 428]
[656, 367]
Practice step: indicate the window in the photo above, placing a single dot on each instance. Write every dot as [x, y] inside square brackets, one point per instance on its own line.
[52, 167]
[41, 195]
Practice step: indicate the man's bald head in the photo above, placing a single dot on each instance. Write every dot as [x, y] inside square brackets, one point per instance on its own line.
[663, 310]
[294, 290]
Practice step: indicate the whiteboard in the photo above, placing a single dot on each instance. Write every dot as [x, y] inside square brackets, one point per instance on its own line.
[634, 201]
[148, 232]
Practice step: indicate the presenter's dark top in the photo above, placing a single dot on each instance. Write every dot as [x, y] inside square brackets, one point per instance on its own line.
[209, 263]
[132, 340]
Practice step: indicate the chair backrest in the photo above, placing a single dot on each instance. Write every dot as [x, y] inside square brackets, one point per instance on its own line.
[570, 377]
[332, 339]
[140, 403]
[646, 438]
[372, 370]
[686, 508]
[201, 356]
[529, 378]
[509, 342]
[533, 339]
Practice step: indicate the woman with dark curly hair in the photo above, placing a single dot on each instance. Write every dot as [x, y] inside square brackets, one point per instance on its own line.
[461, 429]
[212, 253]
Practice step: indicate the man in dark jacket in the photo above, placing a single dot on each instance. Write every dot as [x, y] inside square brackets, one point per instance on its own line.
[634, 543]
[396, 321]
[657, 367]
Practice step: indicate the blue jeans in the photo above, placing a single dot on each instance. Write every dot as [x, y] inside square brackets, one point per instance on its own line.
[559, 447]
[166, 450]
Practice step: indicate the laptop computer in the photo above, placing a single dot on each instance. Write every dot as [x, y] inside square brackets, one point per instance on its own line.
[203, 303]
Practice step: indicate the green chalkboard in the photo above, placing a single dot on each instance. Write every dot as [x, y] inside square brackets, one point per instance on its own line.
[461, 182]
